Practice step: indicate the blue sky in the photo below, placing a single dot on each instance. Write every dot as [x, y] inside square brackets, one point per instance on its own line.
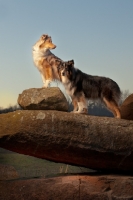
[97, 34]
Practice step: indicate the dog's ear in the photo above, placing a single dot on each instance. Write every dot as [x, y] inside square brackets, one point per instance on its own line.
[71, 62]
[44, 36]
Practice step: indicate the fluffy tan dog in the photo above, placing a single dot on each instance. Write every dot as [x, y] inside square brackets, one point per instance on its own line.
[44, 60]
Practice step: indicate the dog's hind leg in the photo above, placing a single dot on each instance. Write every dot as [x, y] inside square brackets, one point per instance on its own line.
[113, 107]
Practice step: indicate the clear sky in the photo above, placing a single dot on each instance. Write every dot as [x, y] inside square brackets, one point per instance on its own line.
[97, 34]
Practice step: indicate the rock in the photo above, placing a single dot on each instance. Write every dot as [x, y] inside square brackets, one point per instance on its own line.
[70, 187]
[127, 108]
[43, 99]
[99, 143]
[8, 173]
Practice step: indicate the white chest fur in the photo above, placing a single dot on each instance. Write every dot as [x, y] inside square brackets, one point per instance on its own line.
[38, 54]
[68, 86]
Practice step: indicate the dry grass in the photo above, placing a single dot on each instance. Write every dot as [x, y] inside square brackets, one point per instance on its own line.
[29, 167]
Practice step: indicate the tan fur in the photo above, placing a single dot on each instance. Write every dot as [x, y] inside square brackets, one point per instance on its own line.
[75, 104]
[44, 60]
[112, 106]
[47, 70]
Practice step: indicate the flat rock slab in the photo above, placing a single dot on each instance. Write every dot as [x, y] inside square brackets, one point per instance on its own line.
[69, 187]
[99, 143]
[43, 99]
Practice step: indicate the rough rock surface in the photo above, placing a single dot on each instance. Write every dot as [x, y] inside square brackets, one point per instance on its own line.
[94, 142]
[43, 99]
[70, 187]
[127, 108]
[8, 172]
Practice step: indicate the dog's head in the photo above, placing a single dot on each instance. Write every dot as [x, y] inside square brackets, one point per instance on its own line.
[45, 42]
[66, 70]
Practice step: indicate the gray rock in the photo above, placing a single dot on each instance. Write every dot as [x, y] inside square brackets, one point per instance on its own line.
[43, 99]
[99, 143]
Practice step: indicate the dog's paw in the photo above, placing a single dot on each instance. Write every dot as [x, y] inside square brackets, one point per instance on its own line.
[45, 86]
[83, 111]
[74, 111]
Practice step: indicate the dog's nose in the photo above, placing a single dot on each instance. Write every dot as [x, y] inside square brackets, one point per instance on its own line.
[63, 73]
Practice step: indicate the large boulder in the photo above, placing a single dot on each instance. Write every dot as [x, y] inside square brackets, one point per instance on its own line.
[43, 99]
[127, 108]
[95, 142]
[102, 187]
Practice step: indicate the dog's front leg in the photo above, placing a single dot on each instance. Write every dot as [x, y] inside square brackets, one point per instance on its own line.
[47, 83]
[82, 105]
[43, 79]
[75, 105]
[83, 108]
[80, 102]
[47, 73]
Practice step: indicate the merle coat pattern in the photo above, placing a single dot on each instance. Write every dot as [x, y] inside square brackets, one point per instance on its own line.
[81, 87]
